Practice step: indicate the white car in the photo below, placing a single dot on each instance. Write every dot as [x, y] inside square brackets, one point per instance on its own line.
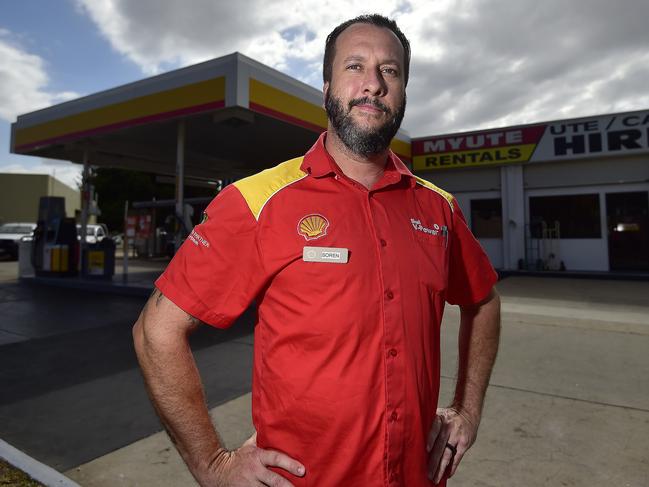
[95, 233]
[11, 235]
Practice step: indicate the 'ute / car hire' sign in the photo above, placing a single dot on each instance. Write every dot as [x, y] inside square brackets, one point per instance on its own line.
[622, 133]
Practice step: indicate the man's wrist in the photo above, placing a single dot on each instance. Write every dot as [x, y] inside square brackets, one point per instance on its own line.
[219, 457]
[471, 415]
[206, 467]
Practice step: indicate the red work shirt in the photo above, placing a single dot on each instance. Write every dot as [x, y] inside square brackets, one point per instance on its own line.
[346, 354]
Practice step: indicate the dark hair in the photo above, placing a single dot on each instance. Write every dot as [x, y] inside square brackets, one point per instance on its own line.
[372, 19]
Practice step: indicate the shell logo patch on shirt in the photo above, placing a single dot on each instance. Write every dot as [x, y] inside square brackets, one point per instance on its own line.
[313, 226]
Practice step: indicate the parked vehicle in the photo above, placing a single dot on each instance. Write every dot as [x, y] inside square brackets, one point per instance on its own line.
[10, 236]
[118, 238]
[95, 232]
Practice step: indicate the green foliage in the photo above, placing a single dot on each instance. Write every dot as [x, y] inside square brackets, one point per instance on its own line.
[115, 186]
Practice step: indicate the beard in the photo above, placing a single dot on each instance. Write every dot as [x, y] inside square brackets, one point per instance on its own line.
[364, 142]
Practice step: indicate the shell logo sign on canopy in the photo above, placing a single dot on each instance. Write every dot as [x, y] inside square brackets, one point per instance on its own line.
[622, 133]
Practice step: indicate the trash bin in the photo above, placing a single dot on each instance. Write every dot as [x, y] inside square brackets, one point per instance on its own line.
[25, 267]
[98, 260]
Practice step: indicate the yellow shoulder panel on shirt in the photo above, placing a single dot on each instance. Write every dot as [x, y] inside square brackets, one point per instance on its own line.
[427, 184]
[258, 189]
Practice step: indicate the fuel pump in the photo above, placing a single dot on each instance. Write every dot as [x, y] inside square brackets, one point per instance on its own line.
[55, 248]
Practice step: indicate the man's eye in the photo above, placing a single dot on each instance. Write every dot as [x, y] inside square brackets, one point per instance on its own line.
[391, 71]
[354, 66]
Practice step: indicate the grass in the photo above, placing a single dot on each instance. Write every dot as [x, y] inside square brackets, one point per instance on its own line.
[10, 475]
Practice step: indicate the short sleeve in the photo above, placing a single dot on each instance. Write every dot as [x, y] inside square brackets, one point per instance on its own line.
[218, 270]
[470, 274]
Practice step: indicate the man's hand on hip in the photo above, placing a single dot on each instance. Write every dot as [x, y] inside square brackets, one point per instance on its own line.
[248, 466]
[451, 435]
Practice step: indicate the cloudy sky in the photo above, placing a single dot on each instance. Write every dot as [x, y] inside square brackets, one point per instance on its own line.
[476, 63]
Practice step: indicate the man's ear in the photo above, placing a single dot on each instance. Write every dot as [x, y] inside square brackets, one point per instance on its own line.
[325, 93]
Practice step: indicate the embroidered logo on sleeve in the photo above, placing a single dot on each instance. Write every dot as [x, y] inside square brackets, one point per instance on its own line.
[313, 226]
[198, 239]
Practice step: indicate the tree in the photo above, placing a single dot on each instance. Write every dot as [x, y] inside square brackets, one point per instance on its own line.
[115, 186]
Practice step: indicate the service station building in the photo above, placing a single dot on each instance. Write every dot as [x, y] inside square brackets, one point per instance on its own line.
[570, 194]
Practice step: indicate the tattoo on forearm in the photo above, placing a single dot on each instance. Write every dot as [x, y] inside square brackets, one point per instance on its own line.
[194, 321]
[158, 299]
[157, 295]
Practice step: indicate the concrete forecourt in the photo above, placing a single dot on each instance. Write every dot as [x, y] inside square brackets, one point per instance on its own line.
[567, 403]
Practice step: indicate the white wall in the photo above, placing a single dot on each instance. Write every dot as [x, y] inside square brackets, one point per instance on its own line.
[587, 172]
[514, 215]
[463, 180]
[494, 249]
[516, 183]
[579, 254]
[585, 254]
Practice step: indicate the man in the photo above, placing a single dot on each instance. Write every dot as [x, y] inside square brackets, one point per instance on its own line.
[350, 259]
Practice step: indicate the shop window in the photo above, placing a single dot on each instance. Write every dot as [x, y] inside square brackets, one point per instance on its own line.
[578, 215]
[486, 218]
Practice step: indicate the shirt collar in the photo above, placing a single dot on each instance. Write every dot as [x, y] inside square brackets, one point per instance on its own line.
[319, 163]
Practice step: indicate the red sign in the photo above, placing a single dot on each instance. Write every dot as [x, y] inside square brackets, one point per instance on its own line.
[131, 224]
[143, 229]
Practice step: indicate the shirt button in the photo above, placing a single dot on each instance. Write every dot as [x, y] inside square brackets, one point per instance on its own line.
[393, 352]
[383, 243]
[390, 295]
[394, 416]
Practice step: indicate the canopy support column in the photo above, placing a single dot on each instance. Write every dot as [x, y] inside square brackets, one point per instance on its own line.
[85, 199]
[180, 183]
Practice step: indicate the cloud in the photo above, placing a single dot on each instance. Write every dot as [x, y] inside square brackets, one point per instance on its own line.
[517, 62]
[476, 63]
[160, 35]
[23, 88]
[23, 81]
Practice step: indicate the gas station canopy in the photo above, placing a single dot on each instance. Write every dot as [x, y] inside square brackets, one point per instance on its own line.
[231, 117]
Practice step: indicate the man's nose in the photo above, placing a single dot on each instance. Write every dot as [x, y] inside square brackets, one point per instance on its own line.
[373, 83]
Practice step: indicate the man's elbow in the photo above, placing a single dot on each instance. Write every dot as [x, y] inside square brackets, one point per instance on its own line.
[489, 304]
[492, 314]
[494, 300]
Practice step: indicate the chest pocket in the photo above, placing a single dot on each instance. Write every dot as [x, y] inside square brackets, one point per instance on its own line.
[431, 254]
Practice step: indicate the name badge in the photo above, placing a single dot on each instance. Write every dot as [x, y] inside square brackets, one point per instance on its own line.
[331, 255]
